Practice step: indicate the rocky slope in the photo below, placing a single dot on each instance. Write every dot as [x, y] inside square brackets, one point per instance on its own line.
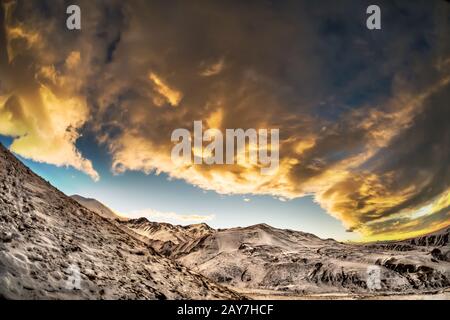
[51, 247]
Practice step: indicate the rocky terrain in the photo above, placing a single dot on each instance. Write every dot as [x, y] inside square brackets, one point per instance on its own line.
[51, 247]
[289, 262]
[262, 257]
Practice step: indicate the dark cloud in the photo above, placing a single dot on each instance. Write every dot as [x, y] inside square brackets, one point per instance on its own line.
[362, 114]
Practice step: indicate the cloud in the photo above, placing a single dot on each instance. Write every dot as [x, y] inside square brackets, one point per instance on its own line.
[403, 173]
[41, 105]
[214, 69]
[171, 95]
[159, 216]
[337, 152]
[362, 115]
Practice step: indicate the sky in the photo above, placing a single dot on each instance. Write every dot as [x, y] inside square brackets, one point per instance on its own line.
[362, 114]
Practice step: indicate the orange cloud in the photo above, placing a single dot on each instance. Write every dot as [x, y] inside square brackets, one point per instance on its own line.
[41, 107]
[172, 96]
[372, 164]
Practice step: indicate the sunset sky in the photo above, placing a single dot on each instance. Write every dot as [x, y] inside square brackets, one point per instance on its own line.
[363, 115]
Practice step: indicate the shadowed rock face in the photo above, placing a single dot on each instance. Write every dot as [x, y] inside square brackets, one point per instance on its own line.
[436, 239]
[51, 247]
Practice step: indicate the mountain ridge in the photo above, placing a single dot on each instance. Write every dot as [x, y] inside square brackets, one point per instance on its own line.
[44, 233]
[97, 207]
[438, 237]
[261, 257]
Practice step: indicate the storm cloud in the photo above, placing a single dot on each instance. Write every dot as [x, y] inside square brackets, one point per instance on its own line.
[363, 115]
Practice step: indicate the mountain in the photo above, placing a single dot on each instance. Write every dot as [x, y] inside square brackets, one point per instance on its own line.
[165, 237]
[97, 207]
[261, 258]
[51, 247]
[437, 239]
[437, 243]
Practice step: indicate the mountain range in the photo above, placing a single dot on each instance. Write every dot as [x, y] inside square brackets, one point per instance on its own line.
[260, 258]
[57, 247]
